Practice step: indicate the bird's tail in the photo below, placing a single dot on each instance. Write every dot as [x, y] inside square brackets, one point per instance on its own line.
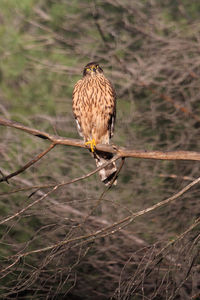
[108, 173]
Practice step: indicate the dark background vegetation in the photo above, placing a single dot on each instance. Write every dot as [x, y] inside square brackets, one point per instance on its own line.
[150, 51]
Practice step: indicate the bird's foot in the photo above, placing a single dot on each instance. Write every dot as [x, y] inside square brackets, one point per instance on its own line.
[92, 144]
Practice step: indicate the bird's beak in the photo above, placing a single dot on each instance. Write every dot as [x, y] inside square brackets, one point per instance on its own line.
[94, 70]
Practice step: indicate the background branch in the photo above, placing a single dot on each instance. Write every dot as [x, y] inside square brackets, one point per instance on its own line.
[57, 186]
[119, 225]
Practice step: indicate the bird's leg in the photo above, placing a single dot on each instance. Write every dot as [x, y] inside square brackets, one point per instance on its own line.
[92, 144]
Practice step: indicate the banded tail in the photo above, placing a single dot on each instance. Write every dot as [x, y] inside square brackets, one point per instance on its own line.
[106, 174]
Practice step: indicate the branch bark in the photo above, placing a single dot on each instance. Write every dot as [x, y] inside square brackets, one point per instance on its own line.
[120, 151]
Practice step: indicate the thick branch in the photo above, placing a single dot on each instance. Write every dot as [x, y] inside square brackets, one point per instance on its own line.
[120, 151]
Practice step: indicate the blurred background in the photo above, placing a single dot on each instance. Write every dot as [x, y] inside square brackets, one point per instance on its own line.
[150, 52]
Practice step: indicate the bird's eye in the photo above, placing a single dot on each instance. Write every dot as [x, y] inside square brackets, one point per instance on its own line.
[97, 67]
[87, 69]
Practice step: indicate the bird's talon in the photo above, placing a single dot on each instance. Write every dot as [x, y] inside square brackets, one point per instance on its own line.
[92, 144]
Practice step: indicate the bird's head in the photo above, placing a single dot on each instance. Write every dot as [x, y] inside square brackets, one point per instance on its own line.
[92, 69]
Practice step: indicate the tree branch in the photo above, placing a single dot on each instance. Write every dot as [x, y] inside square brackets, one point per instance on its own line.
[117, 226]
[120, 151]
[27, 165]
[57, 186]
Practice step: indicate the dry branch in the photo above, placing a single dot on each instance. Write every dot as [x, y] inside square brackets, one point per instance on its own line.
[27, 165]
[120, 151]
[112, 228]
[55, 187]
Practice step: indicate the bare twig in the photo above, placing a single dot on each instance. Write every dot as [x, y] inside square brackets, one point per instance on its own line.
[111, 229]
[3, 177]
[56, 187]
[27, 165]
[168, 99]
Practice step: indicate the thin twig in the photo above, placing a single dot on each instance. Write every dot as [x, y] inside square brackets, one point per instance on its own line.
[111, 229]
[27, 165]
[56, 187]
[3, 177]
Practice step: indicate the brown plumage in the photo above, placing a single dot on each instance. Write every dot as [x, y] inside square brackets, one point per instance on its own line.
[94, 107]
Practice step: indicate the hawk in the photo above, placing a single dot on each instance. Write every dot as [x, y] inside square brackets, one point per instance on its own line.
[94, 107]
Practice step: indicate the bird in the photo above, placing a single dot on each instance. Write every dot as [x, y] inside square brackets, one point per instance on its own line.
[94, 108]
